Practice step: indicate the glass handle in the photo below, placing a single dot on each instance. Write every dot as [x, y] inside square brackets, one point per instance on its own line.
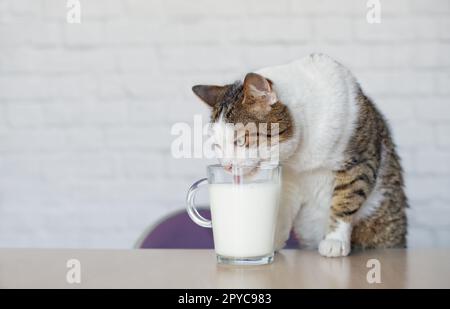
[191, 209]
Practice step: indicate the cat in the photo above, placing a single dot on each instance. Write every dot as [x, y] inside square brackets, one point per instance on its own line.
[342, 185]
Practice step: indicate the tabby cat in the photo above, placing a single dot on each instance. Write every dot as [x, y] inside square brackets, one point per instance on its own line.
[342, 179]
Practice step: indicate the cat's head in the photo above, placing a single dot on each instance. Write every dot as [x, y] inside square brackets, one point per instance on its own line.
[247, 117]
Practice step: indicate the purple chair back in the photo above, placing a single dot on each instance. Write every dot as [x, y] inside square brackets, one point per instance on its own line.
[177, 231]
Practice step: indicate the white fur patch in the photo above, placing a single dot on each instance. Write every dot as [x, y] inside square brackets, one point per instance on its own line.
[321, 95]
[337, 243]
[334, 248]
[315, 190]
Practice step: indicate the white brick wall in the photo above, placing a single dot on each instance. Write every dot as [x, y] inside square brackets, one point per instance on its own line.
[86, 110]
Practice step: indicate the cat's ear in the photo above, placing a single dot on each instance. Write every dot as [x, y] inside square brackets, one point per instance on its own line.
[208, 94]
[258, 89]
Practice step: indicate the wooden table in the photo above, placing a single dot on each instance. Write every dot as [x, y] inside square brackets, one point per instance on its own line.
[47, 268]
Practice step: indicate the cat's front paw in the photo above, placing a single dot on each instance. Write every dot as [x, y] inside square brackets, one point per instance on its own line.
[334, 247]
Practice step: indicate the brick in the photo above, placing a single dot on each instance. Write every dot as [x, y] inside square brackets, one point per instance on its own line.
[184, 110]
[84, 34]
[397, 82]
[31, 140]
[29, 193]
[24, 114]
[424, 7]
[45, 87]
[25, 8]
[443, 135]
[259, 56]
[28, 233]
[3, 118]
[395, 8]
[111, 86]
[191, 168]
[444, 25]
[424, 188]
[433, 109]
[327, 7]
[442, 82]
[267, 8]
[14, 34]
[436, 214]
[138, 138]
[106, 113]
[39, 60]
[190, 32]
[407, 160]
[85, 166]
[63, 113]
[174, 191]
[333, 29]
[430, 56]
[145, 9]
[426, 28]
[203, 8]
[130, 192]
[433, 162]
[148, 112]
[413, 135]
[142, 59]
[200, 59]
[55, 9]
[273, 30]
[101, 9]
[84, 139]
[426, 55]
[89, 192]
[95, 61]
[19, 166]
[389, 30]
[143, 165]
[395, 109]
[4, 11]
[45, 34]
[13, 86]
[79, 86]
[380, 56]
[122, 32]
[144, 87]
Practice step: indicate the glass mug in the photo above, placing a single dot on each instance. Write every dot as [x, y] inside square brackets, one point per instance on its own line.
[244, 212]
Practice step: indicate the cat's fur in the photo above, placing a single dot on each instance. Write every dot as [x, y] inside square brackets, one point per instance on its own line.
[342, 179]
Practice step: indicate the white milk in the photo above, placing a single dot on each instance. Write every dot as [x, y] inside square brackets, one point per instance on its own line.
[244, 218]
